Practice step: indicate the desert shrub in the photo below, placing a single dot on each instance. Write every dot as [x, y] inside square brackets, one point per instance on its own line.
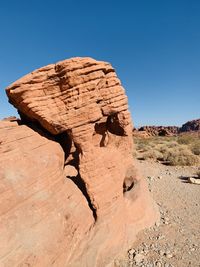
[172, 144]
[142, 144]
[152, 154]
[195, 148]
[164, 148]
[185, 139]
[180, 156]
[182, 150]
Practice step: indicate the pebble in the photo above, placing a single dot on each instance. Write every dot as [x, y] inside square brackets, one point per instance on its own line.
[138, 258]
[130, 256]
[157, 224]
[150, 178]
[131, 251]
[161, 252]
[169, 256]
[158, 264]
[160, 237]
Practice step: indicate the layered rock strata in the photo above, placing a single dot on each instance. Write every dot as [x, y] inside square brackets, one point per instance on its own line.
[159, 130]
[81, 112]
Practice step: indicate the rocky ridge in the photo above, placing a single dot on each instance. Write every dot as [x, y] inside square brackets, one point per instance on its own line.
[191, 126]
[147, 131]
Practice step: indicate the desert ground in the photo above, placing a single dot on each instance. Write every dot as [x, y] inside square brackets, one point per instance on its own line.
[175, 241]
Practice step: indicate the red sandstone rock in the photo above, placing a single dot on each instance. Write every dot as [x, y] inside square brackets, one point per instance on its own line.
[11, 118]
[141, 134]
[41, 211]
[82, 102]
[159, 130]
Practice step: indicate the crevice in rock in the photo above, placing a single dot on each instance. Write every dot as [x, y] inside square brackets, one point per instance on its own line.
[100, 128]
[66, 143]
[81, 185]
[79, 182]
[71, 157]
[114, 126]
[128, 184]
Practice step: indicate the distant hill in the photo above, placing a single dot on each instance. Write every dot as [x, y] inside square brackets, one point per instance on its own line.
[145, 131]
[189, 126]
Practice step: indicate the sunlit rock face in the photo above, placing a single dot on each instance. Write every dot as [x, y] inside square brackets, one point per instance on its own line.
[78, 107]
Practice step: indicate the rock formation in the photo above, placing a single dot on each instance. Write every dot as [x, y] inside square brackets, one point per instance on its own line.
[41, 212]
[191, 126]
[71, 194]
[148, 131]
[159, 130]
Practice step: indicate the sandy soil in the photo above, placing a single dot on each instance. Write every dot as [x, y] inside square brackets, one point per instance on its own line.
[175, 241]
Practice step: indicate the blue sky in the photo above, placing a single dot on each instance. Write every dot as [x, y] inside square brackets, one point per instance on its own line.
[153, 45]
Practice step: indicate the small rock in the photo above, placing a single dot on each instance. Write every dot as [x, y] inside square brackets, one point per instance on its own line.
[161, 252]
[131, 251]
[157, 224]
[145, 250]
[158, 264]
[193, 180]
[130, 256]
[161, 237]
[160, 177]
[150, 178]
[168, 254]
[138, 258]
[70, 171]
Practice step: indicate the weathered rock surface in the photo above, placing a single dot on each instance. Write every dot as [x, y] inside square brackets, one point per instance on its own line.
[95, 215]
[41, 211]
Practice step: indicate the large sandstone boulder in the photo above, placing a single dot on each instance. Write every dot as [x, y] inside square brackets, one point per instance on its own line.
[41, 211]
[80, 189]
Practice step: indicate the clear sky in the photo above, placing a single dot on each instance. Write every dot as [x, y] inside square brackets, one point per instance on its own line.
[154, 46]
